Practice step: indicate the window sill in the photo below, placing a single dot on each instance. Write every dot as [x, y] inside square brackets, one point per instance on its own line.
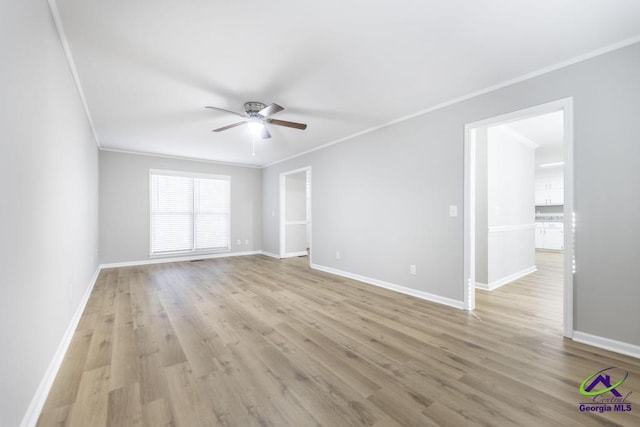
[187, 254]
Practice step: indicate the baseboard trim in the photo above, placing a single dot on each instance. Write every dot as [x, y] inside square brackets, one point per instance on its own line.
[42, 392]
[178, 259]
[270, 254]
[482, 286]
[507, 279]
[295, 254]
[607, 344]
[392, 287]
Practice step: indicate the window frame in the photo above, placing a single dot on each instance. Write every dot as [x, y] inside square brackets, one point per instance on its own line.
[193, 250]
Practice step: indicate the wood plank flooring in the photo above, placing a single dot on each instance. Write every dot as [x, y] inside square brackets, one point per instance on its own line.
[254, 341]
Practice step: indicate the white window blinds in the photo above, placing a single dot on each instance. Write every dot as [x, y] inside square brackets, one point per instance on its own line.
[189, 212]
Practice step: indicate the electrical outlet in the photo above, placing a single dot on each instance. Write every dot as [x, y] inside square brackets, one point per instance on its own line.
[337, 255]
[273, 213]
[246, 242]
[412, 269]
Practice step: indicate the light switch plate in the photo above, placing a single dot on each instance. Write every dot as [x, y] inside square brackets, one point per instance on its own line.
[453, 210]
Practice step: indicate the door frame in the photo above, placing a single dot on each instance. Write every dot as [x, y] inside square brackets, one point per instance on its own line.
[565, 105]
[283, 213]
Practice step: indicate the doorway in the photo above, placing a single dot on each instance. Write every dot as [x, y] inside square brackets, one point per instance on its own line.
[475, 136]
[295, 213]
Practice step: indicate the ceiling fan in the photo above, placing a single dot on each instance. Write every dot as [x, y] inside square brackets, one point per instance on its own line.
[257, 116]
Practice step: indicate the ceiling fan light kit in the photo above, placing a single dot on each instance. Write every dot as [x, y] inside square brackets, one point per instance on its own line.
[256, 117]
[255, 126]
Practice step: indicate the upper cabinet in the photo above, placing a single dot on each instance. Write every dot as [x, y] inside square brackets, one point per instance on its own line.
[549, 190]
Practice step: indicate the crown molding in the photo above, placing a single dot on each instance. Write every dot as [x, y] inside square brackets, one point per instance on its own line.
[55, 13]
[493, 88]
[168, 156]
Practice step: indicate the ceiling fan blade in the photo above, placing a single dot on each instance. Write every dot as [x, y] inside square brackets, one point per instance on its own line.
[229, 126]
[264, 133]
[270, 110]
[287, 124]
[227, 111]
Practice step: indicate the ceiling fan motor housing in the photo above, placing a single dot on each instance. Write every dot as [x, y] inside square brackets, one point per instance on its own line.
[253, 107]
[257, 115]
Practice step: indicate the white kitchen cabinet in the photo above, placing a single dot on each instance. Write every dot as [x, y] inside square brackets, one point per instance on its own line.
[549, 235]
[554, 235]
[542, 197]
[549, 190]
[539, 236]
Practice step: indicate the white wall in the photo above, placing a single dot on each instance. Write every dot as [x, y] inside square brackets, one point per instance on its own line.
[510, 207]
[382, 198]
[308, 206]
[296, 196]
[49, 207]
[124, 203]
[482, 210]
[296, 210]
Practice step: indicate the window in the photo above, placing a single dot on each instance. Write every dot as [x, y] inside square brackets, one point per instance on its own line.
[189, 212]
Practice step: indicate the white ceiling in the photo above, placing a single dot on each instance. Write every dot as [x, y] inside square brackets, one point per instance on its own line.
[147, 68]
[547, 131]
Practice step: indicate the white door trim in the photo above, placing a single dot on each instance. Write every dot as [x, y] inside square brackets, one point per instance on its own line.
[283, 220]
[565, 105]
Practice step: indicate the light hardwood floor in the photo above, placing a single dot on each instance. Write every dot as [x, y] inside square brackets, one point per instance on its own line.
[257, 341]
